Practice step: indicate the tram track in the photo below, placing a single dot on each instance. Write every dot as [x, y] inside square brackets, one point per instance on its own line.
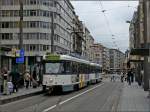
[92, 97]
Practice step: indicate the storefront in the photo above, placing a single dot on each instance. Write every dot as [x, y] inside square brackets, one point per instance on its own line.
[5, 58]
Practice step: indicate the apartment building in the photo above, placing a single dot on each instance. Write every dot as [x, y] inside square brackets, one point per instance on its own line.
[37, 21]
[97, 48]
[106, 59]
[78, 39]
[88, 41]
[117, 59]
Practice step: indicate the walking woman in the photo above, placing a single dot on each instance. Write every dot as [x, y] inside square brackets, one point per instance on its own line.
[5, 76]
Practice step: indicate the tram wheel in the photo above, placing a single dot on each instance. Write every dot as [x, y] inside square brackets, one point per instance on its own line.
[44, 88]
[50, 90]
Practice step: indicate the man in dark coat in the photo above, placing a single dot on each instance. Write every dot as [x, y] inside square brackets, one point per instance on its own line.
[15, 79]
[130, 77]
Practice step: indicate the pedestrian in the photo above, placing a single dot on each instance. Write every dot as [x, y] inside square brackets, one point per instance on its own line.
[15, 78]
[1, 82]
[34, 83]
[125, 76]
[38, 74]
[34, 76]
[140, 78]
[5, 76]
[27, 78]
[132, 77]
[122, 77]
[113, 78]
[129, 77]
[38, 80]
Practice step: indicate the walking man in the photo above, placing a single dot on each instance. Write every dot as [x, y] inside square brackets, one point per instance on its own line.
[1, 82]
[132, 77]
[15, 79]
[129, 75]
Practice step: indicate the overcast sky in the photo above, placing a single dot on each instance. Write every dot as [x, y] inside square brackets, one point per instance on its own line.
[101, 27]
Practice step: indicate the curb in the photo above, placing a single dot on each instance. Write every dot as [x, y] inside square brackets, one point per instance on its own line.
[16, 98]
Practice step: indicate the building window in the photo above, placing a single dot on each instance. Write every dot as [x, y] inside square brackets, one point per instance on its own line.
[33, 13]
[32, 47]
[32, 24]
[32, 2]
[44, 47]
[5, 24]
[6, 36]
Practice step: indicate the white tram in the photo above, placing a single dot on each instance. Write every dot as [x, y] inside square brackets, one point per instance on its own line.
[68, 73]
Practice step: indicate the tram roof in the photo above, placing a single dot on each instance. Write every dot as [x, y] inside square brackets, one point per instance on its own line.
[71, 58]
[95, 64]
[66, 57]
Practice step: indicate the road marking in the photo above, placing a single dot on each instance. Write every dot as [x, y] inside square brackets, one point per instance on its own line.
[52, 107]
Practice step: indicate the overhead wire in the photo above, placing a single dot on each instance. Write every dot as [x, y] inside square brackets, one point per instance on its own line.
[107, 21]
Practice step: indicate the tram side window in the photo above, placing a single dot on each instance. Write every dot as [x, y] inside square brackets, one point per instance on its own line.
[74, 68]
[92, 69]
[80, 68]
[88, 70]
[98, 70]
[67, 67]
[83, 68]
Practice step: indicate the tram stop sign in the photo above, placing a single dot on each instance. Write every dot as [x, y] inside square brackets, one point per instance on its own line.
[21, 58]
[21, 53]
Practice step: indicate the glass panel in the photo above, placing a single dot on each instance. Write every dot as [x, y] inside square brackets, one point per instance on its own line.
[54, 68]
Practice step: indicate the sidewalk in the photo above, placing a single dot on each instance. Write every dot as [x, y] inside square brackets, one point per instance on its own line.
[22, 93]
[134, 98]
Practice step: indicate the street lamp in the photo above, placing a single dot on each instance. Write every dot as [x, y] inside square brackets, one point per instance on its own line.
[128, 21]
[21, 25]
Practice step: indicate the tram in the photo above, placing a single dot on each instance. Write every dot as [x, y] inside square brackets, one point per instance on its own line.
[67, 73]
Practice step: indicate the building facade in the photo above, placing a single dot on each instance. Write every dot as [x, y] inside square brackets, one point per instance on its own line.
[89, 41]
[117, 59]
[98, 54]
[106, 59]
[141, 43]
[37, 26]
[101, 56]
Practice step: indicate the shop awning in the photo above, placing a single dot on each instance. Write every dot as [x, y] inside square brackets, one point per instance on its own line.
[140, 51]
[3, 48]
[136, 58]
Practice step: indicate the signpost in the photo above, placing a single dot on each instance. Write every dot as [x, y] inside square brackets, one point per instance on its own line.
[20, 59]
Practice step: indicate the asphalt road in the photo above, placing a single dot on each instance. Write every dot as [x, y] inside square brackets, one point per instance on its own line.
[100, 97]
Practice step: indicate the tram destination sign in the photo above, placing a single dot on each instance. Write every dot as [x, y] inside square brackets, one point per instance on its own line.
[52, 57]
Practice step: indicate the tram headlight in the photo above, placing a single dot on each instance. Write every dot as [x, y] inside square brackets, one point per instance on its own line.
[50, 80]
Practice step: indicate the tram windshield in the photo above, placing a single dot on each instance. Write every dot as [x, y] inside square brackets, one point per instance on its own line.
[54, 68]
